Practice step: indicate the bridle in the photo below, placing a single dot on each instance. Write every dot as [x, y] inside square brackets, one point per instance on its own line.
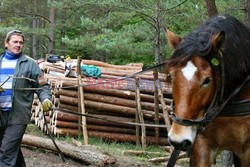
[214, 109]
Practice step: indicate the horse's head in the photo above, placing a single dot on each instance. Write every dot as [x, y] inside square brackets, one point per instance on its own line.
[193, 89]
[205, 67]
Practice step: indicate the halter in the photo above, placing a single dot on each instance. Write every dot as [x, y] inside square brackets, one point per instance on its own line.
[214, 108]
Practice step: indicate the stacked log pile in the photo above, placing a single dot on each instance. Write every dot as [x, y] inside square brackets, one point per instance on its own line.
[109, 97]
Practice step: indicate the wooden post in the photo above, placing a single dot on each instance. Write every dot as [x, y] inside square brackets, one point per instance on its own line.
[156, 102]
[140, 114]
[81, 98]
[137, 127]
[165, 109]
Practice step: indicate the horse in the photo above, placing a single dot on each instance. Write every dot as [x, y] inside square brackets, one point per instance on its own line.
[209, 73]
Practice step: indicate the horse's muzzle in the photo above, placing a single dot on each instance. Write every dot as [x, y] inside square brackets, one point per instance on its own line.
[183, 145]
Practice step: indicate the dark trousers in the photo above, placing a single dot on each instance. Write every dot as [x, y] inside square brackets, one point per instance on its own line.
[10, 143]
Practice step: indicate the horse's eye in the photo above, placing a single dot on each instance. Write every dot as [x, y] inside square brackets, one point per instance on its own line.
[206, 81]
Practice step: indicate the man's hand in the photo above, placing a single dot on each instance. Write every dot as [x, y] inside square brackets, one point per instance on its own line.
[47, 105]
[1, 89]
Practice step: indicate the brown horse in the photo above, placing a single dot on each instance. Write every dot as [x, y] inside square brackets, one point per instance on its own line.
[209, 72]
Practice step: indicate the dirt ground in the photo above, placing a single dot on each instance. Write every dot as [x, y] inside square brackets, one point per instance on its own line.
[39, 158]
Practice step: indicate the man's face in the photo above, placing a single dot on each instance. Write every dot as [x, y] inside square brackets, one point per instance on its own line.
[15, 44]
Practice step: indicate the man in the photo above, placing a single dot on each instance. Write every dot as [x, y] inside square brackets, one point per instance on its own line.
[18, 71]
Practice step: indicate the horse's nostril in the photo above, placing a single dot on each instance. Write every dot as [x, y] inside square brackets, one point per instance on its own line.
[186, 144]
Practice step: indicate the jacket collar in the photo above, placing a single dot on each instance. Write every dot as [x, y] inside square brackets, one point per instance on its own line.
[20, 59]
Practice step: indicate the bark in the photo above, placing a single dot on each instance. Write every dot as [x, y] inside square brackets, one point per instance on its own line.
[211, 8]
[66, 124]
[123, 73]
[81, 104]
[141, 152]
[157, 25]
[107, 99]
[140, 115]
[102, 64]
[247, 12]
[68, 106]
[107, 107]
[65, 116]
[126, 137]
[52, 18]
[156, 103]
[165, 109]
[34, 27]
[88, 154]
[114, 92]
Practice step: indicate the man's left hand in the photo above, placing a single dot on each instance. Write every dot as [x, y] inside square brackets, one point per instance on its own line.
[47, 105]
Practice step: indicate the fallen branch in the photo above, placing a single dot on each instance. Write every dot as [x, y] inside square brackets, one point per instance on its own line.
[87, 154]
[141, 152]
[164, 159]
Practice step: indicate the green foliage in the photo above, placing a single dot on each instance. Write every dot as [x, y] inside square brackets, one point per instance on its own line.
[116, 30]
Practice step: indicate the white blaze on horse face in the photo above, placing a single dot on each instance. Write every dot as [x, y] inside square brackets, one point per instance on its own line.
[184, 133]
[189, 70]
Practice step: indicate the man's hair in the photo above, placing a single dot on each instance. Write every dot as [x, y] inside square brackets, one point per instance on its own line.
[13, 32]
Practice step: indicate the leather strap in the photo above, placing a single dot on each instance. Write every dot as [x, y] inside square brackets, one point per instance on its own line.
[239, 108]
[53, 140]
[173, 158]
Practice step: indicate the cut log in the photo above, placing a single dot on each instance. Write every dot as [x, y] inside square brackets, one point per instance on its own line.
[88, 154]
[65, 116]
[65, 132]
[141, 152]
[102, 64]
[108, 135]
[126, 137]
[107, 107]
[107, 99]
[66, 124]
[113, 92]
[124, 73]
[68, 106]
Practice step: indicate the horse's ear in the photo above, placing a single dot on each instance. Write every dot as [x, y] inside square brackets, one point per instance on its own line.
[173, 39]
[218, 40]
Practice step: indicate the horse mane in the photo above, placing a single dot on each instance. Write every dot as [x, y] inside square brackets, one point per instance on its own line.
[235, 50]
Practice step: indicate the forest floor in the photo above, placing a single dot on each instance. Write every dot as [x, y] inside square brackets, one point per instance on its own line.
[35, 157]
[39, 158]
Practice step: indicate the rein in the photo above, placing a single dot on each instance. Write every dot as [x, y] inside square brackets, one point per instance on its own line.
[217, 111]
[108, 120]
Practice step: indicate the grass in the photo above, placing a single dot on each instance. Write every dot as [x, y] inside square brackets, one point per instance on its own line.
[116, 149]
[113, 148]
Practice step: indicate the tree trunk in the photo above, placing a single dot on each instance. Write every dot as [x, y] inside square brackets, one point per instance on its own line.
[63, 31]
[34, 27]
[211, 8]
[157, 32]
[88, 154]
[247, 10]
[52, 18]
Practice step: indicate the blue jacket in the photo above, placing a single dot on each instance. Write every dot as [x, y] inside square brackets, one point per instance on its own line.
[22, 99]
